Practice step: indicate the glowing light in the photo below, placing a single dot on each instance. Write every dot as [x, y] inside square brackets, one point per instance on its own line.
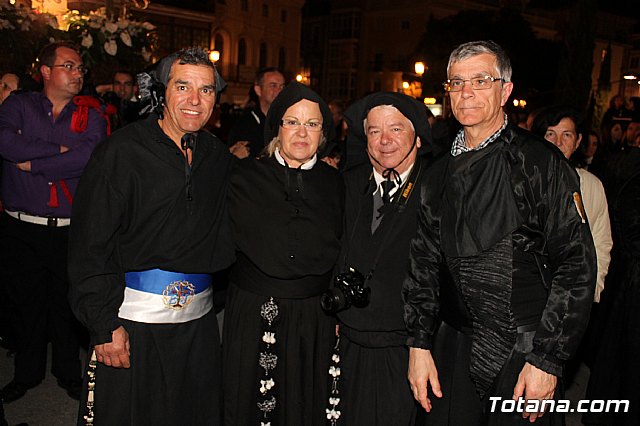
[405, 85]
[430, 101]
[299, 78]
[420, 68]
[214, 56]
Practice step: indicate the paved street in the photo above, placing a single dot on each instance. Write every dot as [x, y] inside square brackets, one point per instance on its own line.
[49, 405]
[45, 405]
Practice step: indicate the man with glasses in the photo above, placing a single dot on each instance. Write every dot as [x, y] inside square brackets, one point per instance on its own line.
[45, 142]
[503, 216]
[247, 134]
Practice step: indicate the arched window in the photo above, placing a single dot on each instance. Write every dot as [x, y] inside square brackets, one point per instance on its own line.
[282, 59]
[262, 60]
[242, 52]
[218, 44]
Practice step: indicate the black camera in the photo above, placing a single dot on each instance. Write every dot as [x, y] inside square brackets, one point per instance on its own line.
[348, 289]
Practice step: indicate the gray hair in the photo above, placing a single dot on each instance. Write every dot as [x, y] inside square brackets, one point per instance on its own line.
[474, 48]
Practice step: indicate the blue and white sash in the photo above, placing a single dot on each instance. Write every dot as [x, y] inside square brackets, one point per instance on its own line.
[156, 296]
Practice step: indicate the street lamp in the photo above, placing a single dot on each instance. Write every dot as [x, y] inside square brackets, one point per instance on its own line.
[420, 67]
[214, 56]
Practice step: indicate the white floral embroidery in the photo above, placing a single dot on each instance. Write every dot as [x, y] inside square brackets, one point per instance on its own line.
[269, 337]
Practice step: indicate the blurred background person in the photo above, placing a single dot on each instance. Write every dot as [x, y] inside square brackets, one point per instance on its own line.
[121, 93]
[8, 83]
[246, 137]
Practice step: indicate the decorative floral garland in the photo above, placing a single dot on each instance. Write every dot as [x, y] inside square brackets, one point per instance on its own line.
[91, 372]
[268, 361]
[333, 414]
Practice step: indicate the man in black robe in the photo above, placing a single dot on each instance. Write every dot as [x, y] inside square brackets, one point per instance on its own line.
[503, 215]
[150, 225]
[382, 198]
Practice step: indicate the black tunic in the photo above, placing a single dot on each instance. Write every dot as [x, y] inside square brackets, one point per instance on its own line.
[521, 191]
[287, 226]
[374, 356]
[131, 213]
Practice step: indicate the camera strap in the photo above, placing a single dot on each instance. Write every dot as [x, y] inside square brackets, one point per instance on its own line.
[398, 205]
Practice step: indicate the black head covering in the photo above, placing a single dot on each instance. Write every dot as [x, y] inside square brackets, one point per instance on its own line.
[153, 84]
[413, 110]
[293, 93]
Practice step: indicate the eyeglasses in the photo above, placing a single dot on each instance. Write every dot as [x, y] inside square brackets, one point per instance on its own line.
[71, 68]
[312, 126]
[478, 83]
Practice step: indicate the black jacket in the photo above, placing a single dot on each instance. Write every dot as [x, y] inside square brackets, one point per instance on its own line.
[520, 185]
[390, 242]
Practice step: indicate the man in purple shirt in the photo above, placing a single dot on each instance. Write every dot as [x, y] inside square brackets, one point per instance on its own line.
[46, 139]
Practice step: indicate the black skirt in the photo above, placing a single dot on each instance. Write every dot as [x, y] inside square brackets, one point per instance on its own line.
[174, 378]
[304, 338]
[374, 389]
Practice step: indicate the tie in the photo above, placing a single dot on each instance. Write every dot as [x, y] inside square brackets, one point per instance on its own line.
[387, 187]
[380, 200]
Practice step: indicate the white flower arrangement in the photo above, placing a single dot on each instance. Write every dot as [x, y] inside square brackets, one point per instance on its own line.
[117, 37]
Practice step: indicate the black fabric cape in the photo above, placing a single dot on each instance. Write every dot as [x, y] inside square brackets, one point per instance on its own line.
[542, 216]
[131, 213]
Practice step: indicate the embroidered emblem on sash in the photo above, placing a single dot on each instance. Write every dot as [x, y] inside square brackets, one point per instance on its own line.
[178, 294]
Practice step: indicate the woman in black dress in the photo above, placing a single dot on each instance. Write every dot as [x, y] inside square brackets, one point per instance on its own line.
[287, 213]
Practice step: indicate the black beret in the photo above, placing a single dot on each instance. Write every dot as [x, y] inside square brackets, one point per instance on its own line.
[413, 110]
[293, 93]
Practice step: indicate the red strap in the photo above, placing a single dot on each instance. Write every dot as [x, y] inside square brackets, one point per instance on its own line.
[53, 196]
[65, 190]
[80, 119]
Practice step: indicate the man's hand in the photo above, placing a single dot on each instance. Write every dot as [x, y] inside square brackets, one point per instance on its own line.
[534, 383]
[240, 149]
[116, 353]
[422, 371]
[25, 166]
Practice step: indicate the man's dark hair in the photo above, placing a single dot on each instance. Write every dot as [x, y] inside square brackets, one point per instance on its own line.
[260, 74]
[127, 72]
[552, 115]
[47, 55]
[194, 56]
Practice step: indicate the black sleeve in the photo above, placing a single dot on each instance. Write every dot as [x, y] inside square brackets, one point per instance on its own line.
[572, 262]
[96, 277]
[420, 292]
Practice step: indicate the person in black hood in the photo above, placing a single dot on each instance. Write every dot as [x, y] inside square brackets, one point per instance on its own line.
[380, 220]
[286, 209]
